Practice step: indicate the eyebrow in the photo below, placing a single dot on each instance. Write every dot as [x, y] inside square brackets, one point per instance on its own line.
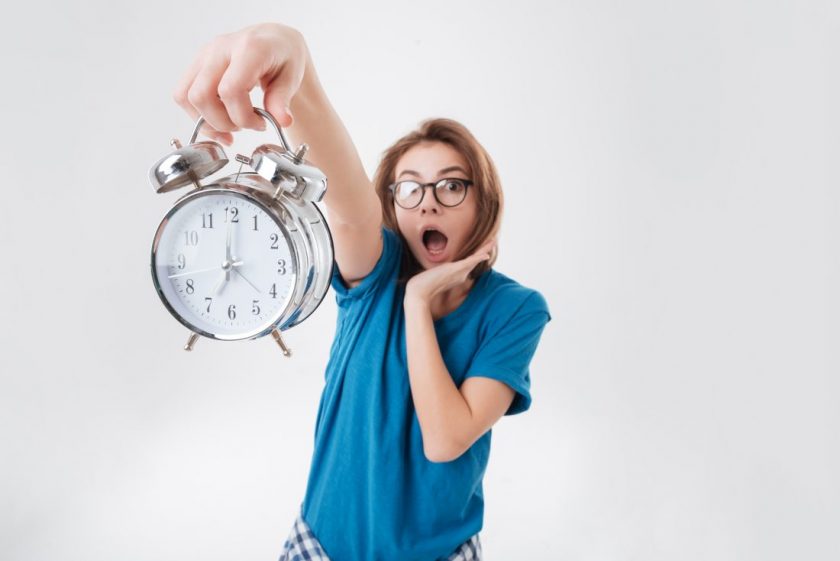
[441, 172]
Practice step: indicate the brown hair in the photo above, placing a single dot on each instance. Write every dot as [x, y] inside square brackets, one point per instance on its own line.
[486, 185]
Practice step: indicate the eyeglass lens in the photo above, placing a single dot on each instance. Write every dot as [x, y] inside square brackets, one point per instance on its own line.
[448, 192]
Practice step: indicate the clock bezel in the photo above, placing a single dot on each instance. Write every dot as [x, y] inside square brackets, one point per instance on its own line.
[229, 190]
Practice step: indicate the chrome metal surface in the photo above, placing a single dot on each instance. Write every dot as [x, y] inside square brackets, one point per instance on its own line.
[262, 113]
[187, 165]
[287, 352]
[281, 168]
[301, 152]
[191, 342]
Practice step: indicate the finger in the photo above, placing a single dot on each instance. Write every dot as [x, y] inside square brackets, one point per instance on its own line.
[484, 252]
[183, 86]
[180, 95]
[234, 90]
[280, 90]
[489, 248]
[468, 263]
[204, 93]
[482, 257]
[208, 131]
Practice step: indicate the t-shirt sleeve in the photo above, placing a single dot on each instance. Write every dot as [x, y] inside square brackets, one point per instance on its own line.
[385, 268]
[505, 353]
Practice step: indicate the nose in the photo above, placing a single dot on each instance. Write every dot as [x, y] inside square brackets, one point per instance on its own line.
[429, 202]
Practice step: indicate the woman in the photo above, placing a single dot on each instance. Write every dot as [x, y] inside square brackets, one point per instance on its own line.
[432, 345]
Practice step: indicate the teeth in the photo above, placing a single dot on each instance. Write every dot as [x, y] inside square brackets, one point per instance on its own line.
[432, 251]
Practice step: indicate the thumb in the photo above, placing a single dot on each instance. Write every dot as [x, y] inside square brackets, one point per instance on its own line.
[279, 93]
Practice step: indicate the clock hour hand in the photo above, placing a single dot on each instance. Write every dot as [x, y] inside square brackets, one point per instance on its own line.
[220, 285]
[226, 267]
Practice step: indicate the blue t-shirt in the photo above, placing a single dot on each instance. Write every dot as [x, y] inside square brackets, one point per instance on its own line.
[372, 495]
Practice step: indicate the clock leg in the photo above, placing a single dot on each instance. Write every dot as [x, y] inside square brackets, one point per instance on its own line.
[276, 334]
[190, 342]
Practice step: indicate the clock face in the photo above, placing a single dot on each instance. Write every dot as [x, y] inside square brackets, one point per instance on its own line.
[223, 265]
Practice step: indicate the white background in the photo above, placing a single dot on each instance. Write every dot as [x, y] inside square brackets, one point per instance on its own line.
[670, 171]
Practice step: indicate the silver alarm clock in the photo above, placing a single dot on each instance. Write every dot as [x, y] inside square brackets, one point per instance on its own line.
[246, 255]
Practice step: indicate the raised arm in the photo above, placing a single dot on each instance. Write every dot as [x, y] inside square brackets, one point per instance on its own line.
[276, 57]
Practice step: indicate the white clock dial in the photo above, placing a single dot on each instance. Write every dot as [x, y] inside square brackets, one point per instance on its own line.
[223, 265]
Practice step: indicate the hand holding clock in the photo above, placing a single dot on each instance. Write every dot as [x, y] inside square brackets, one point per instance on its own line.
[217, 84]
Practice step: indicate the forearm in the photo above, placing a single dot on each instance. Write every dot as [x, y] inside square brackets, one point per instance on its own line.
[350, 198]
[440, 407]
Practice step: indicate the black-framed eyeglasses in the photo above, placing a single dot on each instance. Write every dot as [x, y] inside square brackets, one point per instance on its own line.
[449, 192]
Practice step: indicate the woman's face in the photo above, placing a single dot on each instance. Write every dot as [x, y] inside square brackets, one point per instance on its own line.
[435, 233]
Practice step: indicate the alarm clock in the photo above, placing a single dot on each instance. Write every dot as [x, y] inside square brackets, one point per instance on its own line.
[246, 255]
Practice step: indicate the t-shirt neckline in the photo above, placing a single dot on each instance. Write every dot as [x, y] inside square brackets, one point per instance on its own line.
[468, 301]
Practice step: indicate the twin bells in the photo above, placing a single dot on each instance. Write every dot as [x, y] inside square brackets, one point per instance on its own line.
[285, 169]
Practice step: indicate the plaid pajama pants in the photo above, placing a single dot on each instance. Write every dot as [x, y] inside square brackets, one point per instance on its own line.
[302, 545]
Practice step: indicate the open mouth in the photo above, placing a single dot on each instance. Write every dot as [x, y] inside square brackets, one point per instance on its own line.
[435, 241]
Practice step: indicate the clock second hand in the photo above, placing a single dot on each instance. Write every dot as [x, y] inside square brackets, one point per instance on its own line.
[228, 259]
[216, 268]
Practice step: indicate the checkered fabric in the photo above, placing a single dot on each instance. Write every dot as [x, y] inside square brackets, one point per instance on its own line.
[302, 545]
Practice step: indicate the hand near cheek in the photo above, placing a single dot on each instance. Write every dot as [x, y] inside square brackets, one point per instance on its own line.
[426, 285]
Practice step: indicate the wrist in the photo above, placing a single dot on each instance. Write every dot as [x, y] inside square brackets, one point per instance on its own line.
[310, 95]
[414, 302]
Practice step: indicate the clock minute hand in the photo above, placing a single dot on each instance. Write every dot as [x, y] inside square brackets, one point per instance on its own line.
[246, 280]
[227, 250]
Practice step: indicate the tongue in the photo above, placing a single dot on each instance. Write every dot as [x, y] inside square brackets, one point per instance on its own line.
[435, 241]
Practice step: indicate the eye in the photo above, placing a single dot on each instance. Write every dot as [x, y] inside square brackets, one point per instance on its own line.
[406, 189]
[454, 185]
